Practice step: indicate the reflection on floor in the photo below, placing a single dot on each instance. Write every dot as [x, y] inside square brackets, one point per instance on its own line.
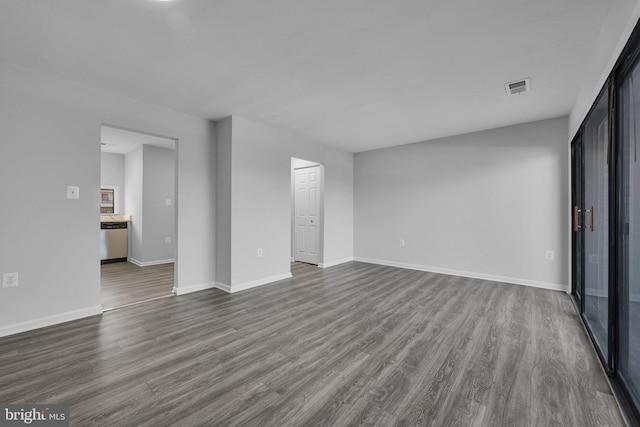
[125, 283]
[597, 313]
[596, 309]
[630, 343]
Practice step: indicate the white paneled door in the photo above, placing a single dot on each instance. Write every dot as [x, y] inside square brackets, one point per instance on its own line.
[307, 214]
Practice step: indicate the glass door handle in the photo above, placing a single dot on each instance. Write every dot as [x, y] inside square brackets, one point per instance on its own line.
[590, 210]
[576, 218]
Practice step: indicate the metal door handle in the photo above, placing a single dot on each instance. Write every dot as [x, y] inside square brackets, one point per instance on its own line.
[576, 216]
[590, 210]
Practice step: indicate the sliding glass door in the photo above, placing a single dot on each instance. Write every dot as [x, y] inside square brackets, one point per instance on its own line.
[628, 231]
[591, 223]
[605, 191]
[595, 222]
[577, 197]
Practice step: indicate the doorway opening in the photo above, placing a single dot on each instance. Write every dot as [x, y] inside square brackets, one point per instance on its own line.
[307, 213]
[138, 221]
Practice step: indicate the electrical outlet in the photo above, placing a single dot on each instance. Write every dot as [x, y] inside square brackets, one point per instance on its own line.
[550, 255]
[259, 252]
[9, 280]
[168, 202]
[73, 192]
[167, 240]
[401, 242]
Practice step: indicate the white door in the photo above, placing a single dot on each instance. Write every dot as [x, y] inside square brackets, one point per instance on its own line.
[307, 218]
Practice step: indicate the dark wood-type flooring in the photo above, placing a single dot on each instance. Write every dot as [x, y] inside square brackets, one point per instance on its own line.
[355, 344]
[125, 283]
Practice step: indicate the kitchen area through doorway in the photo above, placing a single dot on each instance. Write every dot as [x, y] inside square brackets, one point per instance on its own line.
[137, 217]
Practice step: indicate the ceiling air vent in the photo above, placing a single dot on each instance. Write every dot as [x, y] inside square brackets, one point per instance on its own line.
[517, 87]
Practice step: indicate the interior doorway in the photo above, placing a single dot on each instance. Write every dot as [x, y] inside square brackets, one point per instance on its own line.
[138, 180]
[307, 213]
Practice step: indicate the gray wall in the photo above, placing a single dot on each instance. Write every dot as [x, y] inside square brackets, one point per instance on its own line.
[612, 37]
[261, 201]
[487, 204]
[149, 181]
[112, 173]
[158, 185]
[133, 185]
[50, 133]
[223, 219]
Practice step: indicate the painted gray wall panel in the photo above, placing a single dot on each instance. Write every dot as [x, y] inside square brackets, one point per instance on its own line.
[488, 203]
[50, 132]
[261, 201]
[223, 187]
[133, 186]
[159, 219]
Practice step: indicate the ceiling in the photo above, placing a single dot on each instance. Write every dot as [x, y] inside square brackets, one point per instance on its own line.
[353, 74]
[120, 141]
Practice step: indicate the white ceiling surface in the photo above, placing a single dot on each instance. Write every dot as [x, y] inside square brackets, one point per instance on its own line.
[354, 74]
[119, 141]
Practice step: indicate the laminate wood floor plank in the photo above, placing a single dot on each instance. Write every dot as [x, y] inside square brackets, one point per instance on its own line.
[355, 344]
[124, 283]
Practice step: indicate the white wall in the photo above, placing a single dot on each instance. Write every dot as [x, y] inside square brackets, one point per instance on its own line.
[261, 201]
[50, 133]
[486, 204]
[112, 173]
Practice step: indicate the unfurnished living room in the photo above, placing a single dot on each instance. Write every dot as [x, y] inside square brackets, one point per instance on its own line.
[300, 213]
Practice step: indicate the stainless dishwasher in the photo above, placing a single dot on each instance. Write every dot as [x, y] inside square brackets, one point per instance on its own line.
[114, 242]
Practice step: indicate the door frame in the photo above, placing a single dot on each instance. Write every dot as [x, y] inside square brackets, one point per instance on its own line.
[298, 163]
[176, 230]
[627, 59]
[607, 357]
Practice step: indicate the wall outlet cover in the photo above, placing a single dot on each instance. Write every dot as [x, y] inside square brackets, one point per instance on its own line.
[73, 192]
[9, 280]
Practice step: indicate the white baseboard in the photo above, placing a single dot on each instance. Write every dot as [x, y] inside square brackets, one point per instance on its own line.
[334, 263]
[55, 319]
[148, 263]
[222, 286]
[256, 283]
[472, 275]
[183, 290]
